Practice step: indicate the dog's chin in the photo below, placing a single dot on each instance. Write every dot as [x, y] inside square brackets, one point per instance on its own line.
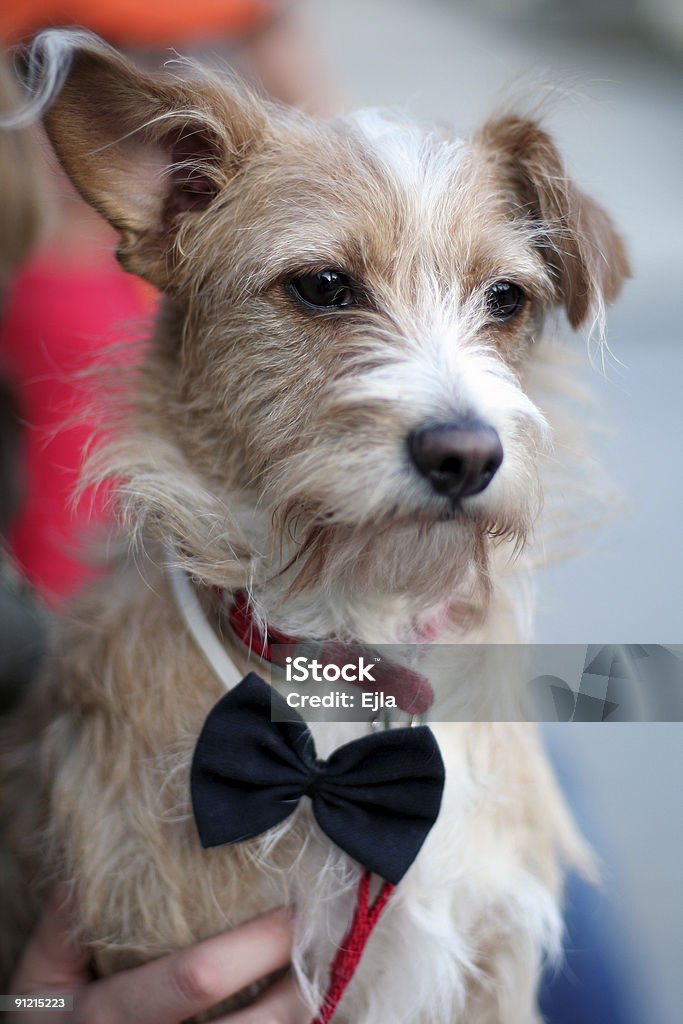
[438, 526]
[440, 510]
[374, 580]
[331, 567]
[452, 512]
[466, 516]
[489, 524]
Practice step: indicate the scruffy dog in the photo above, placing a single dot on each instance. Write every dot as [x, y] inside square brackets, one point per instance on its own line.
[336, 417]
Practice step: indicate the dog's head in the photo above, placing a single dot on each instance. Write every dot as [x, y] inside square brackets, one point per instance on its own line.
[351, 311]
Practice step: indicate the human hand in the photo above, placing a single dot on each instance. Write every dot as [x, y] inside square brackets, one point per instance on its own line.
[163, 991]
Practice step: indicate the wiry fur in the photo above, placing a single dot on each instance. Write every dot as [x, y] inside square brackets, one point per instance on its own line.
[268, 449]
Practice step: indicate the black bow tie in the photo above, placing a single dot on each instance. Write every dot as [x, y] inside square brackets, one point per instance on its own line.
[376, 797]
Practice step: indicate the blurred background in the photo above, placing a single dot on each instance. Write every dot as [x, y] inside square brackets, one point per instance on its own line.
[610, 75]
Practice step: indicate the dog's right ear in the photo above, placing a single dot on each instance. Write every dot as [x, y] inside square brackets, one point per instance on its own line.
[146, 151]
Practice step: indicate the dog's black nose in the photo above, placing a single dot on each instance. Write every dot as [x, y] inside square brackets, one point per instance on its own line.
[458, 459]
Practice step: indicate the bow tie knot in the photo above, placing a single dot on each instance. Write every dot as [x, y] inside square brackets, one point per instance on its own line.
[377, 797]
[315, 774]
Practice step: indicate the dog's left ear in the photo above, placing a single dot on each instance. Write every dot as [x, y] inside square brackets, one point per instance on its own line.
[587, 256]
[148, 152]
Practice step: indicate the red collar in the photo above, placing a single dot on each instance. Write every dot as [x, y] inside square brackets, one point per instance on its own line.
[248, 633]
[413, 692]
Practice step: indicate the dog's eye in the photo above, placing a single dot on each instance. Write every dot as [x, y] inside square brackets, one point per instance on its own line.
[504, 300]
[326, 289]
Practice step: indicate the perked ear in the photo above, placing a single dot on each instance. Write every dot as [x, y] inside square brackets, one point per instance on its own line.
[146, 151]
[587, 256]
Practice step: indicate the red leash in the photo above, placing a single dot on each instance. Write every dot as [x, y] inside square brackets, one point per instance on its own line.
[415, 695]
[351, 950]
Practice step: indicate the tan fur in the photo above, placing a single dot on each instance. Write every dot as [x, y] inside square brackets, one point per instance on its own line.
[267, 450]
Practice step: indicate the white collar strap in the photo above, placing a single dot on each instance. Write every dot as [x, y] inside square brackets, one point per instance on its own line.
[198, 626]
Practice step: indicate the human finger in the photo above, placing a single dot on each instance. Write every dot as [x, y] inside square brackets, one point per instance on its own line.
[282, 1003]
[179, 985]
[52, 959]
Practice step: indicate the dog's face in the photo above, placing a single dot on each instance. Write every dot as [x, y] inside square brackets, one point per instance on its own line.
[352, 310]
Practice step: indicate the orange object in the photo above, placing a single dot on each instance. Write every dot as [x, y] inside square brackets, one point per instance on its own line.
[135, 23]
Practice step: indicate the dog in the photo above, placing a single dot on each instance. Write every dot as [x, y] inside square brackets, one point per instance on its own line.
[335, 417]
